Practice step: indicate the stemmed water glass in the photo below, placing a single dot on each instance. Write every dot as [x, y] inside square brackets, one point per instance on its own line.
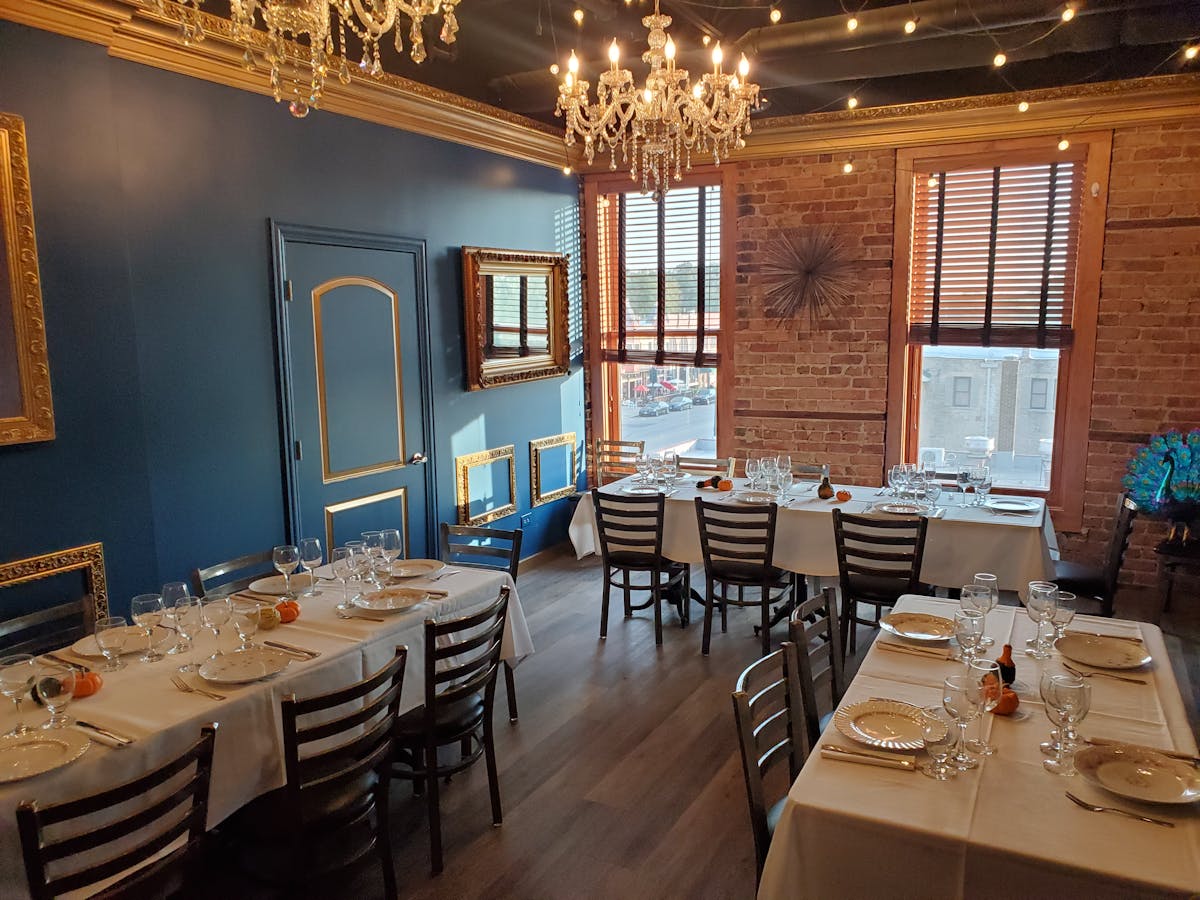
[962, 477]
[360, 563]
[962, 697]
[189, 619]
[768, 468]
[976, 477]
[987, 673]
[1067, 701]
[286, 557]
[784, 462]
[670, 466]
[172, 593]
[216, 613]
[245, 616]
[55, 685]
[984, 488]
[393, 545]
[643, 466]
[753, 471]
[937, 731]
[340, 561]
[1064, 613]
[968, 630]
[373, 541]
[896, 479]
[992, 583]
[311, 556]
[147, 611]
[1040, 605]
[16, 678]
[111, 634]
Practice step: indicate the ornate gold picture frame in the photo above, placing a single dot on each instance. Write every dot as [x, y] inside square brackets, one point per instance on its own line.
[26, 406]
[515, 312]
[538, 492]
[462, 468]
[89, 558]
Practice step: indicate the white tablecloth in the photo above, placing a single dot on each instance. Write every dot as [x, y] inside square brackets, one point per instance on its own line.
[965, 540]
[141, 702]
[1005, 829]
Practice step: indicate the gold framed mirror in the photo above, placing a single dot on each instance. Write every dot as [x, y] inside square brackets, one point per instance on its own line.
[553, 467]
[26, 407]
[515, 309]
[486, 485]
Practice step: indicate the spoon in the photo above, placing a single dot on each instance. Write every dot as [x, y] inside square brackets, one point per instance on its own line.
[1081, 674]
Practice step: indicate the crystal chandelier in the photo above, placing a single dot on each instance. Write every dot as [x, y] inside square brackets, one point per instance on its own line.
[658, 126]
[302, 78]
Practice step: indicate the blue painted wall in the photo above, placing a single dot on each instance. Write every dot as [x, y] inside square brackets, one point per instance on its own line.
[151, 194]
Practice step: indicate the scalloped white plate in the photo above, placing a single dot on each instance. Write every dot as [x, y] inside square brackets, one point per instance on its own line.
[26, 755]
[1139, 773]
[888, 724]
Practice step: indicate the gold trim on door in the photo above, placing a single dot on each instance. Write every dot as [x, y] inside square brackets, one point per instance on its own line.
[462, 467]
[328, 476]
[334, 508]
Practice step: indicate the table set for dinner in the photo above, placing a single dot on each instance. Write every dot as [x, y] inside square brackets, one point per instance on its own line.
[1088, 783]
[224, 659]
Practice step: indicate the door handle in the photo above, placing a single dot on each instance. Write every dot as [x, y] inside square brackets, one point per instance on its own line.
[417, 459]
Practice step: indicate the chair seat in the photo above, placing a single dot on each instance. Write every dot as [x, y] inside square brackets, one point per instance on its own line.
[1078, 578]
[453, 719]
[749, 574]
[826, 719]
[775, 813]
[271, 813]
[632, 559]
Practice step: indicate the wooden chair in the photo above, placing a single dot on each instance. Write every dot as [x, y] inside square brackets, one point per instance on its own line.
[699, 465]
[805, 470]
[769, 711]
[245, 569]
[616, 459]
[817, 635]
[166, 806]
[631, 534]
[879, 558]
[486, 548]
[55, 626]
[1100, 582]
[738, 543]
[462, 658]
[319, 824]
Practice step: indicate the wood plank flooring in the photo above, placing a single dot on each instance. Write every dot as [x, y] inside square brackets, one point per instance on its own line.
[622, 778]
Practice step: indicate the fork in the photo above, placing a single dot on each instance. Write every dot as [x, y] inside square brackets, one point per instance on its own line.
[342, 614]
[441, 575]
[1082, 674]
[188, 689]
[1090, 807]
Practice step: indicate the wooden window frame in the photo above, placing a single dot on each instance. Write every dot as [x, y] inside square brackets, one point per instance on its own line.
[605, 419]
[1073, 396]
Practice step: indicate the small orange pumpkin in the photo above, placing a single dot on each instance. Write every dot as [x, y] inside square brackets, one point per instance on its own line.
[289, 611]
[843, 496]
[724, 485]
[1009, 701]
[86, 684]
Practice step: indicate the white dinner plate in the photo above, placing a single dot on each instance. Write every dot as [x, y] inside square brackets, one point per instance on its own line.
[135, 642]
[1102, 652]
[26, 755]
[415, 568]
[640, 490]
[900, 509]
[391, 600]
[244, 666]
[888, 724]
[1011, 504]
[918, 626]
[1139, 773]
[757, 497]
[275, 584]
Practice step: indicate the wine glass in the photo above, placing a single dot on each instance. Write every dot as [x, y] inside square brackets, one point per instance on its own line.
[172, 593]
[16, 678]
[360, 562]
[111, 634]
[286, 557]
[642, 465]
[340, 563]
[189, 619]
[1064, 613]
[373, 540]
[244, 615]
[393, 545]
[216, 613]
[784, 480]
[932, 491]
[987, 673]
[895, 477]
[146, 610]
[962, 477]
[938, 733]
[670, 466]
[1068, 699]
[311, 556]
[992, 583]
[968, 630]
[55, 685]
[984, 488]
[784, 462]
[1040, 606]
[753, 470]
[962, 697]
[976, 476]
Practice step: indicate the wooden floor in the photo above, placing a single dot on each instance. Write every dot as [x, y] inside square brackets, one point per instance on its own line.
[622, 778]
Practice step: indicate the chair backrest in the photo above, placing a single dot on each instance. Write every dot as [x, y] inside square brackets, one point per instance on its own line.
[739, 534]
[817, 635]
[482, 548]
[166, 805]
[700, 465]
[245, 569]
[806, 470]
[25, 584]
[1118, 545]
[769, 711]
[629, 524]
[365, 727]
[616, 459]
[878, 556]
[462, 656]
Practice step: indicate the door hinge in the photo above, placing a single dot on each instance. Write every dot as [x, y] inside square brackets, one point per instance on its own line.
[287, 290]
[298, 450]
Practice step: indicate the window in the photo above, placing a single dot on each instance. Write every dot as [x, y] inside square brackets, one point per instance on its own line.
[658, 315]
[1039, 391]
[962, 390]
[996, 283]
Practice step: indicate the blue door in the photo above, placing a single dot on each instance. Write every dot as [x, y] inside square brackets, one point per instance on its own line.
[353, 329]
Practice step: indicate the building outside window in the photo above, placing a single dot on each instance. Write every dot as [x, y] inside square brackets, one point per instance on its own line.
[1039, 391]
[962, 390]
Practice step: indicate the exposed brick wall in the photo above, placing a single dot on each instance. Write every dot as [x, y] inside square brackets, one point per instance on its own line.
[821, 393]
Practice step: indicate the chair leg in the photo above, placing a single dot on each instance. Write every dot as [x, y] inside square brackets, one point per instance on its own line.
[510, 686]
[766, 621]
[604, 604]
[709, 600]
[656, 597]
[725, 609]
[435, 812]
[489, 753]
[383, 837]
[628, 603]
[464, 747]
[686, 603]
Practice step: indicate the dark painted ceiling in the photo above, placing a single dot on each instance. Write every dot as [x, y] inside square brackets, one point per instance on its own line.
[810, 61]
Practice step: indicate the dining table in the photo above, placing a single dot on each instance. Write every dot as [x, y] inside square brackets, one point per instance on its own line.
[1006, 828]
[961, 540]
[141, 702]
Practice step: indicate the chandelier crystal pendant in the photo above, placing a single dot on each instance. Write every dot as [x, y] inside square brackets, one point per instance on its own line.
[289, 24]
[658, 126]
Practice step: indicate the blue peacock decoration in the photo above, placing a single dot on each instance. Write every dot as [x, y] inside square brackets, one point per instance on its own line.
[1164, 479]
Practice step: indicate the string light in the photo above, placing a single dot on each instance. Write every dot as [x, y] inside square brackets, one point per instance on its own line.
[1068, 14]
[852, 102]
[553, 68]
[567, 170]
[852, 23]
[578, 16]
[848, 165]
[910, 26]
[1063, 144]
[1023, 106]
[999, 59]
[776, 15]
[1191, 52]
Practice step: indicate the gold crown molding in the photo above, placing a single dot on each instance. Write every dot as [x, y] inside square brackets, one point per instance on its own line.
[133, 33]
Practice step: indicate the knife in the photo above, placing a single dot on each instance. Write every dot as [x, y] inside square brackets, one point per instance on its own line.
[58, 657]
[288, 648]
[121, 739]
[1109, 742]
[1119, 637]
[914, 651]
[904, 761]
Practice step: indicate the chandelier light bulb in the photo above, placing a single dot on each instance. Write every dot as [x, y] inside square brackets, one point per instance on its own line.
[852, 23]
[1023, 106]
[776, 15]
[553, 68]
[717, 54]
[706, 40]
[578, 16]
[1191, 52]
[1068, 14]
[567, 170]
[569, 81]
[669, 49]
[848, 166]
[999, 59]
[852, 102]
[698, 90]
[743, 66]
[573, 64]
[1063, 144]
[910, 26]
[648, 95]
[614, 52]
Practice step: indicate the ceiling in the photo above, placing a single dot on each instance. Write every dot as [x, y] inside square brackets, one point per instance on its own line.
[811, 61]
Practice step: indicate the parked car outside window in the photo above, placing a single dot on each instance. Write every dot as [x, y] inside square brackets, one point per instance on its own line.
[679, 402]
[652, 408]
[705, 396]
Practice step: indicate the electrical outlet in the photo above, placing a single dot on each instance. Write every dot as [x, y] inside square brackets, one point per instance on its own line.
[526, 519]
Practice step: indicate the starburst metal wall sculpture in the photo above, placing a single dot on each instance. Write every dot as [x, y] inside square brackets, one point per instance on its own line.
[806, 270]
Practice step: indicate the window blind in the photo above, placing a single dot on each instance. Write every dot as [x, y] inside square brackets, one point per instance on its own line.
[660, 283]
[993, 255]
